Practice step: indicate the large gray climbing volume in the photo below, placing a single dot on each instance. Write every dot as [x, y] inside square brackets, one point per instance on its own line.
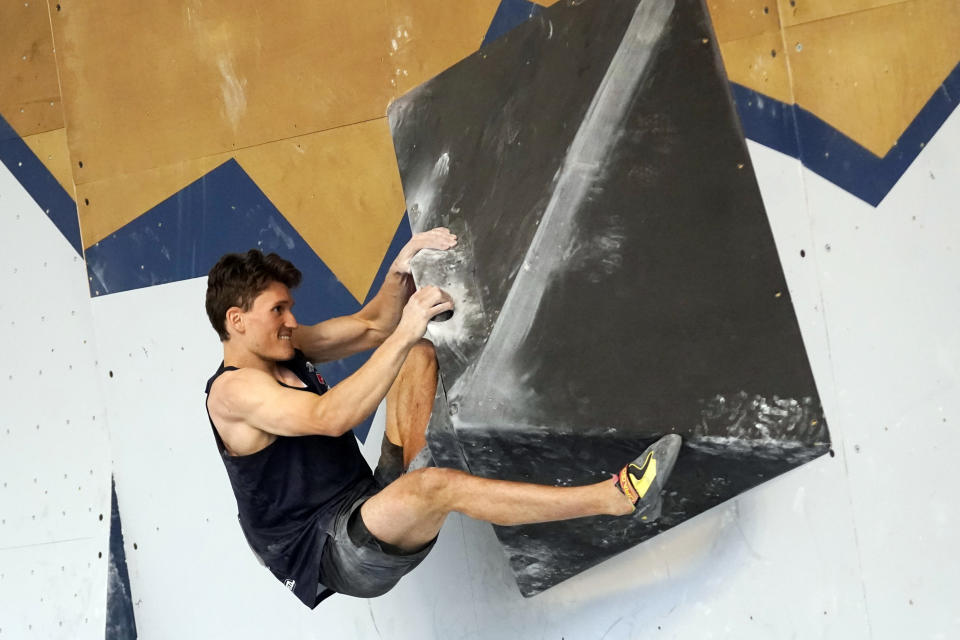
[616, 277]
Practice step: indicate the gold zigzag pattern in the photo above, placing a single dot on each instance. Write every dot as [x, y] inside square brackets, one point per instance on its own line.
[303, 114]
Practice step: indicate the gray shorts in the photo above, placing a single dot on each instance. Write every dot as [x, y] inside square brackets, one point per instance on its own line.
[354, 562]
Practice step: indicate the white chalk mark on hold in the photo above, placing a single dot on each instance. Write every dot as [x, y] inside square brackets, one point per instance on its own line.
[496, 375]
[442, 167]
[422, 200]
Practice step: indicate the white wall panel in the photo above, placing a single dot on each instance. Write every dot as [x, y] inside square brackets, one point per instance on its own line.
[54, 454]
[55, 590]
[892, 295]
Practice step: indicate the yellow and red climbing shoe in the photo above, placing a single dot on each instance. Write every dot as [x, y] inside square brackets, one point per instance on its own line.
[643, 479]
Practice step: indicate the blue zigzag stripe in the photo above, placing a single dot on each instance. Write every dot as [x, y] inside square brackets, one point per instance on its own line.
[821, 148]
[226, 220]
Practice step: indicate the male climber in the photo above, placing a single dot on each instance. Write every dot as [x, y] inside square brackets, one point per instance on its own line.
[308, 503]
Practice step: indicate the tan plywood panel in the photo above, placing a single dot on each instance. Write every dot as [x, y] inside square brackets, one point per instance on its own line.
[341, 190]
[736, 19]
[152, 84]
[106, 205]
[51, 148]
[799, 11]
[759, 63]
[28, 117]
[29, 91]
[428, 36]
[868, 74]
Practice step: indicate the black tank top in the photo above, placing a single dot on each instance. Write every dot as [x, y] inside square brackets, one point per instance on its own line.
[289, 493]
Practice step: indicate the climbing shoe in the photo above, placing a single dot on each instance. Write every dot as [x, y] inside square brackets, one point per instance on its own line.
[643, 479]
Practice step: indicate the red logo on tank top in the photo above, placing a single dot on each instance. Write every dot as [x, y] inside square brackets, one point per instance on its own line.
[323, 383]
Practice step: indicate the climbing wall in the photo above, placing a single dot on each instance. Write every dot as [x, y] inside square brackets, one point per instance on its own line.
[603, 302]
[208, 127]
[54, 451]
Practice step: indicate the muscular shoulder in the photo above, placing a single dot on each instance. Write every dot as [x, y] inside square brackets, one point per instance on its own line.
[231, 397]
[233, 387]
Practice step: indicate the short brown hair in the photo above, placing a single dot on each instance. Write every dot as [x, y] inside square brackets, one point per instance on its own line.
[238, 278]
